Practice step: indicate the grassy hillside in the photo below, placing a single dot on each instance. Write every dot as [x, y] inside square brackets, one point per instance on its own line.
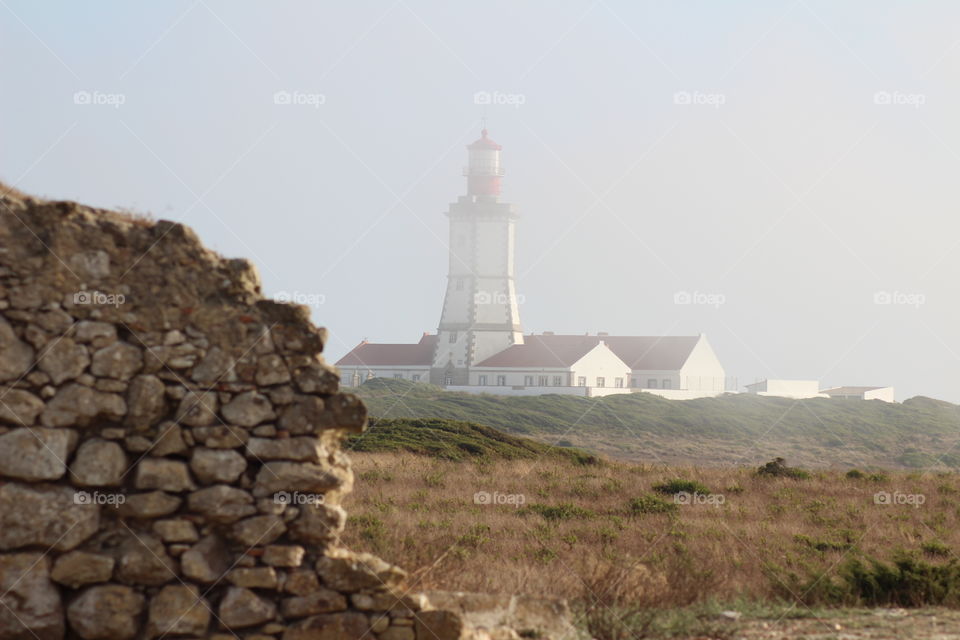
[731, 429]
[455, 440]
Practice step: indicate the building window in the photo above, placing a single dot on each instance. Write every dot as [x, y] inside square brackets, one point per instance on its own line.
[618, 383]
[666, 383]
[447, 380]
[453, 337]
[601, 382]
[356, 379]
[652, 383]
[459, 284]
[398, 376]
[558, 381]
[483, 381]
[633, 382]
[542, 381]
[416, 377]
[501, 381]
[528, 381]
[582, 381]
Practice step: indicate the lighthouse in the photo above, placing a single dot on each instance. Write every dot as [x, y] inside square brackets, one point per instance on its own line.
[480, 316]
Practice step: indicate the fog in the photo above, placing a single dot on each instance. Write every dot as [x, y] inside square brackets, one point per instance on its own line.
[790, 165]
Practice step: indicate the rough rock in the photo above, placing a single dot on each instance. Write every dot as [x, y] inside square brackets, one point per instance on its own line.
[31, 607]
[318, 601]
[63, 359]
[254, 577]
[16, 356]
[44, 515]
[221, 503]
[349, 571]
[271, 370]
[154, 504]
[258, 530]
[107, 612]
[241, 608]
[146, 401]
[98, 463]
[163, 474]
[332, 626]
[178, 610]
[77, 405]
[248, 409]
[300, 449]
[176, 530]
[19, 407]
[277, 555]
[118, 361]
[143, 560]
[212, 466]
[198, 409]
[35, 454]
[318, 524]
[78, 568]
[207, 561]
[305, 477]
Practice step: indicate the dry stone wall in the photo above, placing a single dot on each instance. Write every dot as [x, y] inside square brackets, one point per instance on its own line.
[170, 460]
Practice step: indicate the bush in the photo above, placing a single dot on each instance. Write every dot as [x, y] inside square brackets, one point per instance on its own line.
[856, 474]
[650, 504]
[679, 485]
[935, 548]
[779, 469]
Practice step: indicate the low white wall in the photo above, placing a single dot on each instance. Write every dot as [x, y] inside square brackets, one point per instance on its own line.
[586, 392]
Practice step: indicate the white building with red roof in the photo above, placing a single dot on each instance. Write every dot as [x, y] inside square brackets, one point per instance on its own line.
[480, 346]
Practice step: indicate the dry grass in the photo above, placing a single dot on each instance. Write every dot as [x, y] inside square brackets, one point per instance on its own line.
[585, 543]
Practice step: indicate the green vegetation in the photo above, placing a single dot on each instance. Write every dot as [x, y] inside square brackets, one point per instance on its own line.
[679, 485]
[778, 469]
[818, 432]
[454, 440]
[650, 504]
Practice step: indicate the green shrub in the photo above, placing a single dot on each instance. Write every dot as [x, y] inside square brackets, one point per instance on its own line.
[935, 548]
[679, 485]
[778, 469]
[644, 505]
[856, 474]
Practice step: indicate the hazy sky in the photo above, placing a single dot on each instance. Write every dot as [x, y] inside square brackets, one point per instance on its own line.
[796, 161]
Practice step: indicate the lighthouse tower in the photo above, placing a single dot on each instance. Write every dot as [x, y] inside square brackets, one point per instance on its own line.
[480, 316]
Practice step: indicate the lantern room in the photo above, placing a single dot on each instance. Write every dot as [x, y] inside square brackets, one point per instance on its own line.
[483, 167]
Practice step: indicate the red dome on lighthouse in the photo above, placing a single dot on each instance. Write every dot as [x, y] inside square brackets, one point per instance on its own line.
[484, 143]
[483, 167]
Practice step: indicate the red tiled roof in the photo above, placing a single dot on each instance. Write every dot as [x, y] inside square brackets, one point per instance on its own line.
[368, 354]
[483, 142]
[648, 353]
